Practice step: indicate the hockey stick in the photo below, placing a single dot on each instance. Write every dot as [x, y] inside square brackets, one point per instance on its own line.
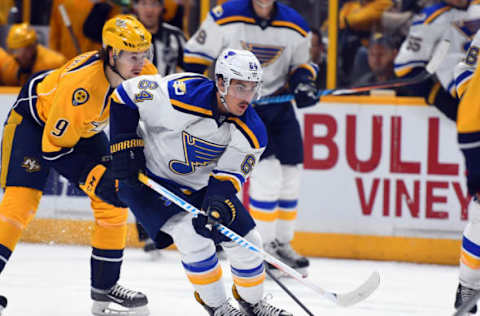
[274, 278]
[430, 68]
[341, 299]
[68, 25]
[466, 306]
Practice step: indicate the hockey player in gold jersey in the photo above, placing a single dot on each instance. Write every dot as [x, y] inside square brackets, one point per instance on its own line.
[30, 57]
[57, 122]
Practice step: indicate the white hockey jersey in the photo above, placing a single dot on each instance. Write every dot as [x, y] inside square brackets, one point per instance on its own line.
[434, 24]
[186, 139]
[466, 67]
[281, 44]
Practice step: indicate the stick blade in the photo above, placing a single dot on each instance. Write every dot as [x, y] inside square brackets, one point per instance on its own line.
[360, 293]
[438, 56]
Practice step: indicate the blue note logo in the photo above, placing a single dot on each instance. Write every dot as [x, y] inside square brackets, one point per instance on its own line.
[198, 153]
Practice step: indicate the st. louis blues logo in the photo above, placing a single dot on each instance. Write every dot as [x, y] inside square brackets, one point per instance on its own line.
[266, 54]
[197, 153]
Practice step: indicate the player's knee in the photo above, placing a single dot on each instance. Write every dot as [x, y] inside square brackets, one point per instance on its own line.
[240, 256]
[19, 205]
[99, 181]
[108, 214]
[188, 242]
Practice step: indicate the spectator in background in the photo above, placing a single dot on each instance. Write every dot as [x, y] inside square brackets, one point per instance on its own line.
[7, 63]
[101, 11]
[168, 41]
[318, 54]
[30, 56]
[60, 38]
[381, 55]
[5, 6]
[173, 12]
[358, 18]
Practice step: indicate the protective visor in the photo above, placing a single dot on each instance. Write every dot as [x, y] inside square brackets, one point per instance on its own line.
[245, 90]
[135, 58]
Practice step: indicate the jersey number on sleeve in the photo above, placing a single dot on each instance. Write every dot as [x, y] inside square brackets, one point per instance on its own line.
[472, 56]
[60, 127]
[414, 43]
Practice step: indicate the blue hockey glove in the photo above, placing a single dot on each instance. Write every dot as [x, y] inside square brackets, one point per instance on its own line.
[219, 209]
[128, 158]
[304, 89]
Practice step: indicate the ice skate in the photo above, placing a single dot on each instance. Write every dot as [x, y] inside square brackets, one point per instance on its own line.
[262, 308]
[226, 309]
[151, 250]
[285, 253]
[463, 295]
[119, 301]
[3, 303]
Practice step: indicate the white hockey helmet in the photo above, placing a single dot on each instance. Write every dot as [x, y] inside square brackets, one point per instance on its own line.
[240, 65]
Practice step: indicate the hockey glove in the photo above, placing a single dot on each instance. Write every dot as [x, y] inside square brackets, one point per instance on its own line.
[219, 209]
[304, 88]
[98, 181]
[128, 158]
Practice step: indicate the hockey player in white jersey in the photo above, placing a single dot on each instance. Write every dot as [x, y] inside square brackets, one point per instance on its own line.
[200, 139]
[450, 20]
[280, 38]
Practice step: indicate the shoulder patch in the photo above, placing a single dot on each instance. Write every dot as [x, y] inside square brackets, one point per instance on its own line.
[80, 96]
[217, 11]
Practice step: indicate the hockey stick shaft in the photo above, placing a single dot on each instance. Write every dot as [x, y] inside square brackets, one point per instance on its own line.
[467, 306]
[284, 287]
[347, 299]
[430, 68]
[68, 25]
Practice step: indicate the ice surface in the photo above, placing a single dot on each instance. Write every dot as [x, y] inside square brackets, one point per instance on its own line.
[53, 280]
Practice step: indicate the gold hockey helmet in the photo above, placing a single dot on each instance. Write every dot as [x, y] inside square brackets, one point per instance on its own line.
[125, 33]
[21, 35]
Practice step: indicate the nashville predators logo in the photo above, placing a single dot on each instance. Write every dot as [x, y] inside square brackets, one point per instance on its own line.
[198, 153]
[266, 54]
[31, 164]
[80, 96]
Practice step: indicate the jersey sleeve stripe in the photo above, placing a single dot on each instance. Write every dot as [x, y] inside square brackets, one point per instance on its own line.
[197, 60]
[233, 180]
[310, 68]
[290, 25]
[235, 18]
[462, 82]
[120, 91]
[190, 108]
[198, 54]
[246, 131]
[436, 14]
[240, 178]
[451, 88]
[56, 154]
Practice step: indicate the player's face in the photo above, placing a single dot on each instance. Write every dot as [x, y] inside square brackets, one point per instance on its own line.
[458, 3]
[240, 94]
[130, 64]
[25, 56]
[148, 12]
[380, 59]
[264, 3]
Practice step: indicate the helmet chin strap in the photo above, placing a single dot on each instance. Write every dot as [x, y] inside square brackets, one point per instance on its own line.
[114, 68]
[263, 5]
[223, 94]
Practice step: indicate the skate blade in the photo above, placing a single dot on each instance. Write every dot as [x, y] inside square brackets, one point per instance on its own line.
[113, 309]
